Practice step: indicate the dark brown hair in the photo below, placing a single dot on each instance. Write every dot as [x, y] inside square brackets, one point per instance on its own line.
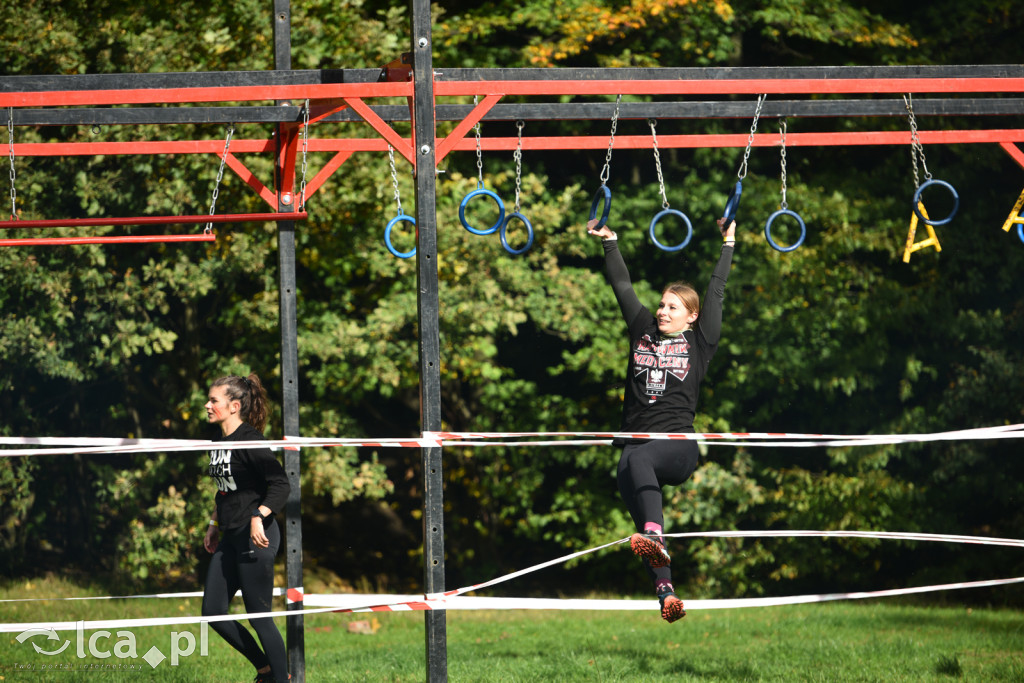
[249, 392]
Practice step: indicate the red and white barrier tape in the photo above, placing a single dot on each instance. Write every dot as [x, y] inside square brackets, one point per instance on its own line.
[762, 439]
[454, 599]
[350, 603]
[184, 445]
[83, 445]
[409, 603]
[291, 595]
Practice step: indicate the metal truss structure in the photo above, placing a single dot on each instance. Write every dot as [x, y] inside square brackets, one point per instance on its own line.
[286, 98]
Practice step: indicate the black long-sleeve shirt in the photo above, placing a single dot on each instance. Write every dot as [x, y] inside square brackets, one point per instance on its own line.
[246, 478]
[664, 373]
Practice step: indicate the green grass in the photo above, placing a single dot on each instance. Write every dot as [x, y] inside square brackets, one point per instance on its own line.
[862, 641]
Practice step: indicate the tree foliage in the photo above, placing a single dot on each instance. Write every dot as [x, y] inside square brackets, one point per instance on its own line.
[838, 336]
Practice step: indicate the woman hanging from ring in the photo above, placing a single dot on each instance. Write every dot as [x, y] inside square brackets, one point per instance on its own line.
[669, 354]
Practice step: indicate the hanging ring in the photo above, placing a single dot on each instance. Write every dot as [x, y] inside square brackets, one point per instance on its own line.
[387, 235]
[917, 201]
[1020, 231]
[733, 203]
[529, 233]
[686, 222]
[482, 192]
[604, 194]
[768, 230]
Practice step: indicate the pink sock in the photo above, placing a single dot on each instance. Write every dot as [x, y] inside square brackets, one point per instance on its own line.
[663, 586]
[651, 527]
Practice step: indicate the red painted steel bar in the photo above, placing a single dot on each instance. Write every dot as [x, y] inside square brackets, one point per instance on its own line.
[805, 86]
[403, 146]
[940, 137]
[255, 93]
[250, 179]
[59, 149]
[100, 239]
[152, 220]
[937, 137]
[325, 172]
[461, 130]
[774, 86]
[1014, 151]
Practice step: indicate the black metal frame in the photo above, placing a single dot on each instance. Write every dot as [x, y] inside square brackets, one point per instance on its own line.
[425, 114]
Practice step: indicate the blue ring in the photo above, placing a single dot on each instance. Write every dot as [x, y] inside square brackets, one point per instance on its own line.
[487, 193]
[768, 230]
[689, 229]
[733, 203]
[1020, 231]
[605, 193]
[917, 200]
[529, 231]
[387, 236]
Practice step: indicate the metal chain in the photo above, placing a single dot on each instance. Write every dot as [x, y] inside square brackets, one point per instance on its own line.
[782, 130]
[657, 164]
[750, 140]
[305, 151]
[607, 170]
[518, 156]
[479, 151]
[220, 176]
[10, 138]
[916, 149]
[394, 178]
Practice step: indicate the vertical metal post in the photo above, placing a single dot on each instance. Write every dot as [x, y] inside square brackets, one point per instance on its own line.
[424, 134]
[288, 317]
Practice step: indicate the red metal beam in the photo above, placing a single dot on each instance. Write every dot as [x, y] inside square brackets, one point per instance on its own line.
[378, 124]
[60, 149]
[794, 86]
[153, 220]
[321, 109]
[255, 93]
[286, 154]
[940, 137]
[1014, 151]
[135, 239]
[806, 86]
[479, 111]
[250, 179]
[324, 173]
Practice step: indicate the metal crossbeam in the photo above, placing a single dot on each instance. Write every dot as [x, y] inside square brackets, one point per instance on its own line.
[537, 111]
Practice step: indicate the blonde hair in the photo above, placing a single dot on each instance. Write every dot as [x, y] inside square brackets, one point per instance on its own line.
[686, 293]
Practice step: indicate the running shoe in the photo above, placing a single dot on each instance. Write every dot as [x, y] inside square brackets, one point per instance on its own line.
[650, 547]
[671, 607]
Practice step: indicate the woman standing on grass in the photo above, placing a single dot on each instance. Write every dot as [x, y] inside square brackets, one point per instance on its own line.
[669, 355]
[243, 534]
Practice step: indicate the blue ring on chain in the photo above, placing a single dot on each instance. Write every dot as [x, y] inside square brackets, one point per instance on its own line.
[603, 193]
[529, 232]
[768, 230]
[480, 191]
[917, 201]
[387, 235]
[733, 203]
[686, 221]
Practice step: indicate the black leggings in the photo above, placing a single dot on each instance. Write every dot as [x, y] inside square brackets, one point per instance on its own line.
[643, 469]
[229, 571]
